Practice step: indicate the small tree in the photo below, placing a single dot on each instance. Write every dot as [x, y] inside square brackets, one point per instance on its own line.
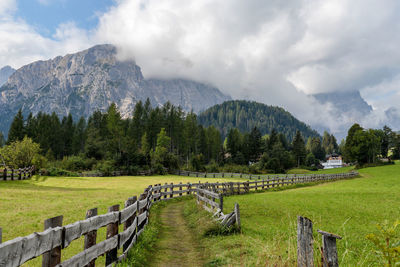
[299, 149]
[21, 154]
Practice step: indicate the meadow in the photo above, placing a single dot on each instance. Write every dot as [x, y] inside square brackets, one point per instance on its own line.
[350, 208]
[24, 205]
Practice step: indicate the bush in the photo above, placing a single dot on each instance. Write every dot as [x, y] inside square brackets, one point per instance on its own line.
[212, 166]
[52, 171]
[20, 154]
[106, 167]
[77, 163]
[235, 168]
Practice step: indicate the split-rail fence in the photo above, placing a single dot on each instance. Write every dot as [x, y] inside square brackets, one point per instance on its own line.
[7, 174]
[134, 217]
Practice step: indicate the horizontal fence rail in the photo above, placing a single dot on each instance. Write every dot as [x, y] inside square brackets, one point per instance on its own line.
[249, 176]
[134, 217]
[8, 174]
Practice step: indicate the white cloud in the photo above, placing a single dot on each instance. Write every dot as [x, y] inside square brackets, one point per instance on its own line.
[6, 7]
[276, 52]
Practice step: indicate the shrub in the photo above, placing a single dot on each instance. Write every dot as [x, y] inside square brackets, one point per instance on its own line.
[52, 171]
[212, 166]
[387, 242]
[106, 167]
[20, 154]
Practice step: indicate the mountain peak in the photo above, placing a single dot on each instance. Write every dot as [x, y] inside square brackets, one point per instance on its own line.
[5, 73]
[92, 79]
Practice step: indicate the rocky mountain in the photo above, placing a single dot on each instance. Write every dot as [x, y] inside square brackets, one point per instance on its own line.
[347, 107]
[91, 80]
[5, 73]
[345, 102]
[245, 115]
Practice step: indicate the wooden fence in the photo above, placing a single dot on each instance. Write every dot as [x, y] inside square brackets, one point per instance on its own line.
[8, 174]
[251, 176]
[134, 216]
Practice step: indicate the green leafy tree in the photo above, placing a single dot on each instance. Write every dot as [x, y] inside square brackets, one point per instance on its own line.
[350, 153]
[161, 156]
[20, 154]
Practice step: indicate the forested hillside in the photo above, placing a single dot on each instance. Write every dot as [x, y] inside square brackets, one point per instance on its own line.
[245, 115]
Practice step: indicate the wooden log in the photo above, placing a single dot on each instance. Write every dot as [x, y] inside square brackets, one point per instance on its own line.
[329, 249]
[77, 229]
[92, 253]
[90, 238]
[305, 253]
[17, 251]
[112, 230]
[127, 236]
[130, 202]
[53, 257]
[237, 214]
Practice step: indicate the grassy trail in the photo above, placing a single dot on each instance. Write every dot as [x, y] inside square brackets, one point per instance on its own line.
[176, 246]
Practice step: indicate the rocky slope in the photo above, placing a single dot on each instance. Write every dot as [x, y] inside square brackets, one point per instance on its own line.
[5, 73]
[91, 80]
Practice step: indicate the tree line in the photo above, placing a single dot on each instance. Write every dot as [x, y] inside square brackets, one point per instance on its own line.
[160, 139]
[163, 139]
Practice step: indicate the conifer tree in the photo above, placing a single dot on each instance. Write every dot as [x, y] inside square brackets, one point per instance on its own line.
[299, 149]
[17, 130]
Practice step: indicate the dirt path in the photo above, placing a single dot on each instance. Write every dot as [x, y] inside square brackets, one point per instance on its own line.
[177, 246]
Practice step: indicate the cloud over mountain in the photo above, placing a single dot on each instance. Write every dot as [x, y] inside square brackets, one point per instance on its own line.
[276, 52]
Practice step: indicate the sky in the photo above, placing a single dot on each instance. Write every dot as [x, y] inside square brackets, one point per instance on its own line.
[275, 52]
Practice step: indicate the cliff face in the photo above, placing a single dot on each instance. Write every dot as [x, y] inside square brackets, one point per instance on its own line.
[5, 73]
[91, 80]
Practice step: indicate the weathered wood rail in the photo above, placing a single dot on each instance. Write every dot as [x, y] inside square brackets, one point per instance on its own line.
[134, 216]
[257, 176]
[8, 174]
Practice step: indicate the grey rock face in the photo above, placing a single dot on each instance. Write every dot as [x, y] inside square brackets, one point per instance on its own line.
[347, 107]
[91, 80]
[345, 102]
[5, 73]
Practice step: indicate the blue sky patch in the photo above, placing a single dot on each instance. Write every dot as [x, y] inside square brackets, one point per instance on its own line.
[46, 15]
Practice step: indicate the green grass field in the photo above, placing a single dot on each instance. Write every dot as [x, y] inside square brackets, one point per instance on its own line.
[349, 208]
[24, 205]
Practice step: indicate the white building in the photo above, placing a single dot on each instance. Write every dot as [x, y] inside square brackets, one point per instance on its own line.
[333, 162]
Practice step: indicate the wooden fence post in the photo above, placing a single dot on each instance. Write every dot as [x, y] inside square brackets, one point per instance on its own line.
[237, 214]
[5, 174]
[53, 257]
[180, 189]
[90, 238]
[221, 202]
[112, 230]
[305, 253]
[189, 187]
[171, 195]
[12, 174]
[165, 190]
[129, 221]
[329, 249]
[1, 235]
